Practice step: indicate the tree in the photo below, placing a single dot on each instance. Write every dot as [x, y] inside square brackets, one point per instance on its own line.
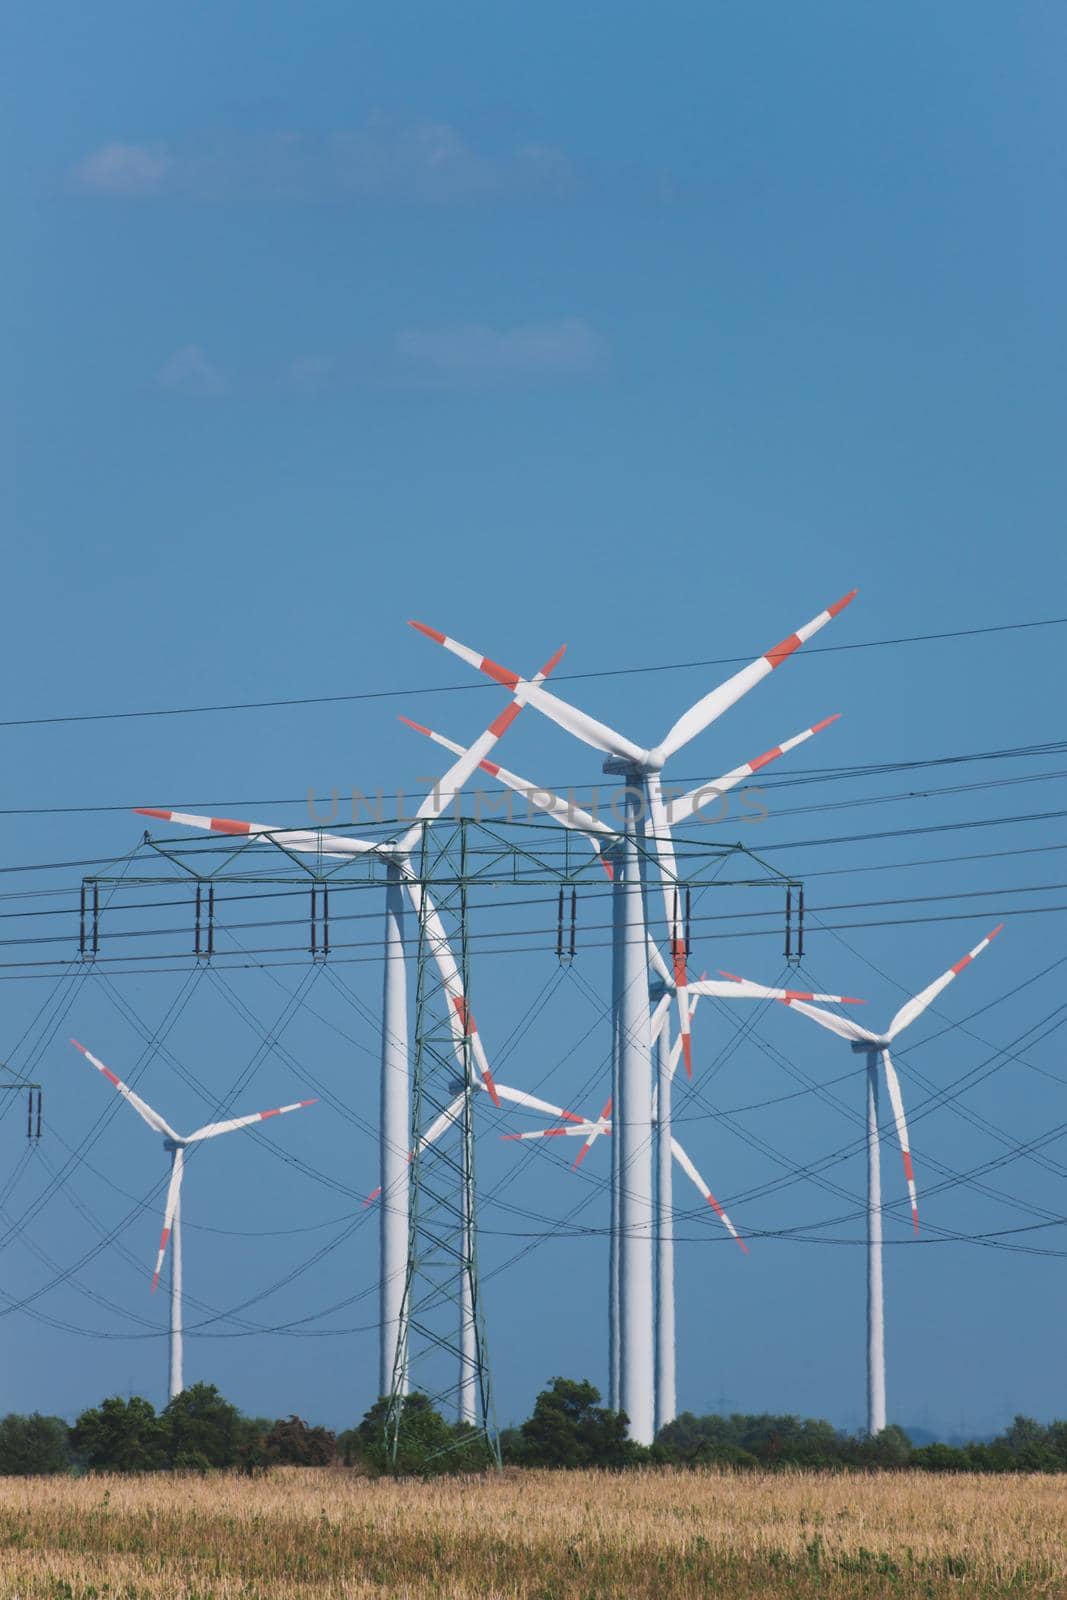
[201, 1429]
[890, 1448]
[569, 1428]
[427, 1445]
[292, 1443]
[120, 1436]
[252, 1443]
[33, 1445]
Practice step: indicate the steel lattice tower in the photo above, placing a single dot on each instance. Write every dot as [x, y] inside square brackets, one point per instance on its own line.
[445, 1354]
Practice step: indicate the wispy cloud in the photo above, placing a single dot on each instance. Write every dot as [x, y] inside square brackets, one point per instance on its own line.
[417, 163]
[475, 352]
[123, 169]
[189, 371]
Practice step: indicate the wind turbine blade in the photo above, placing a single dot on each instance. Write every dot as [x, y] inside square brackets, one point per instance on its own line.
[668, 871]
[437, 1127]
[915, 1007]
[519, 1097]
[444, 792]
[705, 793]
[302, 840]
[896, 1100]
[442, 1123]
[460, 1018]
[579, 1128]
[584, 727]
[575, 1131]
[565, 812]
[658, 1019]
[759, 991]
[173, 1192]
[601, 1126]
[844, 1027]
[676, 1047]
[211, 1130]
[144, 1110]
[705, 712]
[691, 1172]
[656, 960]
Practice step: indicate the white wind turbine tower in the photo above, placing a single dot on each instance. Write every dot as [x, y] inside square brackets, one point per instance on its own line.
[395, 1131]
[872, 1046]
[642, 767]
[177, 1144]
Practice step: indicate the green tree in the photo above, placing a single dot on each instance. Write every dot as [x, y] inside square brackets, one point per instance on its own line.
[33, 1445]
[427, 1445]
[569, 1428]
[252, 1443]
[120, 1436]
[202, 1429]
[890, 1448]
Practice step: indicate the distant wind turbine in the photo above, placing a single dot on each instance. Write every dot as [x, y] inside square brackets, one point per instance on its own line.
[873, 1045]
[177, 1144]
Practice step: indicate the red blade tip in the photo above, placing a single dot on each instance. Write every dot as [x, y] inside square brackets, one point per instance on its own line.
[825, 723]
[150, 811]
[416, 725]
[431, 633]
[839, 605]
[80, 1047]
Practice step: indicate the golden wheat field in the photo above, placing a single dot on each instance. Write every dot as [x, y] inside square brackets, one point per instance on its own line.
[661, 1534]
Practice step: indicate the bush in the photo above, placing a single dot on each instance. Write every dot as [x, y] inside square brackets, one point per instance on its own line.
[427, 1444]
[292, 1443]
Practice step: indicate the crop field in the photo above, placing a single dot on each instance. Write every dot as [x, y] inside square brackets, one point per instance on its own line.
[660, 1534]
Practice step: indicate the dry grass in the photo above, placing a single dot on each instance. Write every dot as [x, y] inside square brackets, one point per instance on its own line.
[657, 1535]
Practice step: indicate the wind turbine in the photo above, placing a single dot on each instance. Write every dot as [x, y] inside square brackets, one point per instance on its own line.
[401, 879]
[668, 1151]
[641, 766]
[645, 765]
[872, 1046]
[604, 842]
[177, 1144]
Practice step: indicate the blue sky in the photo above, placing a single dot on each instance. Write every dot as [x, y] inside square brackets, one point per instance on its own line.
[651, 334]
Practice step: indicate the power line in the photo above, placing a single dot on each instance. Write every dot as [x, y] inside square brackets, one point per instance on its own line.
[796, 777]
[568, 677]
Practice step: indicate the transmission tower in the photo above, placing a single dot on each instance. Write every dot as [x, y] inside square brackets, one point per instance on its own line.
[443, 1352]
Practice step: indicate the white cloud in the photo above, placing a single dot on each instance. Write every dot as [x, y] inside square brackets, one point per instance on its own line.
[429, 162]
[418, 163]
[123, 169]
[568, 348]
[190, 372]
